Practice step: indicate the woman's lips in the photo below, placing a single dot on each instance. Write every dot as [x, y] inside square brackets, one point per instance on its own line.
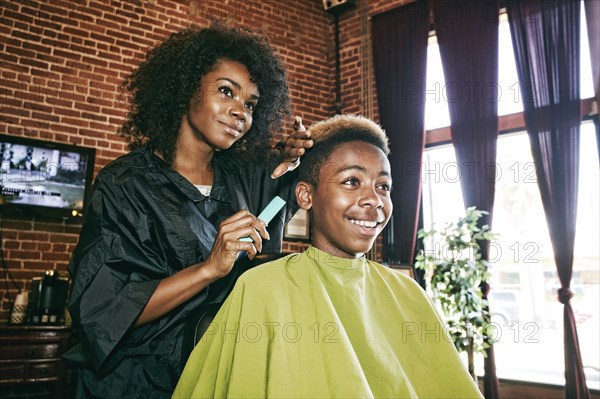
[232, 130]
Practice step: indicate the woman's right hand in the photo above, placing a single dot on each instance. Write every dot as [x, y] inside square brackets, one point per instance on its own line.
[228, 246]
[181, 286]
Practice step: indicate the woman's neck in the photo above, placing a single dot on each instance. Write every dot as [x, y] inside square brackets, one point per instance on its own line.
[193, 158]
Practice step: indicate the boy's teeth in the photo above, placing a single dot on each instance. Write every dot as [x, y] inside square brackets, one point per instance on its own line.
[364, 223]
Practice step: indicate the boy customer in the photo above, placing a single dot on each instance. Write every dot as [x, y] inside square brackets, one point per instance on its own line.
[328, 323]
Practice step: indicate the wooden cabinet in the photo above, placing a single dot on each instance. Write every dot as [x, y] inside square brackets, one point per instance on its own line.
[32, 354]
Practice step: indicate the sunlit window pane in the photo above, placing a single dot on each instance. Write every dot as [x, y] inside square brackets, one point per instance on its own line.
[442, 195]
[586, 83]
[586, 276]
[510, 100]
[436, 100]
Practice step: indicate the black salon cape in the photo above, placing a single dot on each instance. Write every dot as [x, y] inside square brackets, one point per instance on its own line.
[145, 222]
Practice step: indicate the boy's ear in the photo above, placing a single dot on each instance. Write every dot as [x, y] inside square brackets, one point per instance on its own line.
[304, 195]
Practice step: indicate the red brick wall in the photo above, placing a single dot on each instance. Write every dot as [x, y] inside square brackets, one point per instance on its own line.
[62, 62]
[357, 76]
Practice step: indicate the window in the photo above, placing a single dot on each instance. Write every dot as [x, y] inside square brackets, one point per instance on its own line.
[509, 97]
[524, 280]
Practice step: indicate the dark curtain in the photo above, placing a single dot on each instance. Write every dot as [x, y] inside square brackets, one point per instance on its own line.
[400, 56]
[467, 33]
[546, 44]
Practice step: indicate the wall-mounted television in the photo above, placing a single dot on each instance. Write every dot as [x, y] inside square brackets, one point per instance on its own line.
[42, 178]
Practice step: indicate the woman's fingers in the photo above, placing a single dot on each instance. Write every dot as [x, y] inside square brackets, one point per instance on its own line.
[232, 248]
[297, 142]
[295, 146]
[241, 222]
[228, 244]
[285, 167]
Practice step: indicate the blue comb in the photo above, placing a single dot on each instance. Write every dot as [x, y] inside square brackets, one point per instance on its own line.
[268, 213]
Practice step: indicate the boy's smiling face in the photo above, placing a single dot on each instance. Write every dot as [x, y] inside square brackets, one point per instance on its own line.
[351, 203]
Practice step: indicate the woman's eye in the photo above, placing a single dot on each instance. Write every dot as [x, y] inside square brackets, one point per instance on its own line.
[226, 90]
[250, 106]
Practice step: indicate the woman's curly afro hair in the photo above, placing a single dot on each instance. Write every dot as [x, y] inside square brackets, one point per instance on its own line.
[161, 88]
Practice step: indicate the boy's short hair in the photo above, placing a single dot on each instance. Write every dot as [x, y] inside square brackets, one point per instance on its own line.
[332, 132]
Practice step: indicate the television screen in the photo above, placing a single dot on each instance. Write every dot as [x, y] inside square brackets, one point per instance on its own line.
[44, 178]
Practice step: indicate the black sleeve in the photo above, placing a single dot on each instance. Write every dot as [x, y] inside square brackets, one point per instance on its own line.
[113, 276]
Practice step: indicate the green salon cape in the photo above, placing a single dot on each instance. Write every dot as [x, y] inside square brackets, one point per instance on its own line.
[316, 326]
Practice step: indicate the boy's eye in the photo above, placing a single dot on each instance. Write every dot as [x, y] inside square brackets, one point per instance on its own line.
[351, 182]
[385, 187]
[226, 90]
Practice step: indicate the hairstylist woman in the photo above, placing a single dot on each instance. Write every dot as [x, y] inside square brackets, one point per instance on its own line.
[160, 238]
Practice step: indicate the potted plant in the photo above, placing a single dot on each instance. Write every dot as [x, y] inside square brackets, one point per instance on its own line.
[454, 271]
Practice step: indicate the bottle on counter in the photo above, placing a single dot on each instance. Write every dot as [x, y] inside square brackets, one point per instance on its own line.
[18, 315]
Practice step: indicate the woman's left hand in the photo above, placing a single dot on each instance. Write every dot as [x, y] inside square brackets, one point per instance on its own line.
[294, 147]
